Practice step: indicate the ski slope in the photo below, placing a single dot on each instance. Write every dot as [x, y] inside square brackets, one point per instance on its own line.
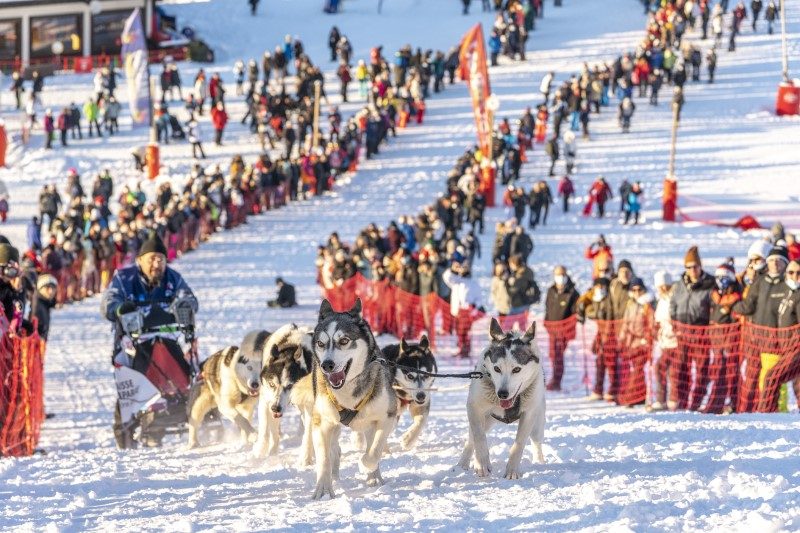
[607, 467]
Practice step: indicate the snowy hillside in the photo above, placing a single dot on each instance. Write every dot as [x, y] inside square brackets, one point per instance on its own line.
[608, 468]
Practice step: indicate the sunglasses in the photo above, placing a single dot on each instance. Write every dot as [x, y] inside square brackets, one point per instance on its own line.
[692, 267]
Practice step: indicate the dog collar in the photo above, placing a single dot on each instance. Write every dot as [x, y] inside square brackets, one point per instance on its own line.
[346, 415]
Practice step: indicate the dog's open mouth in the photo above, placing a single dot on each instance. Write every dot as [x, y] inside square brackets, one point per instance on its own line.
[253, 392]
[276, 415]
[336, 379]
[507, 404]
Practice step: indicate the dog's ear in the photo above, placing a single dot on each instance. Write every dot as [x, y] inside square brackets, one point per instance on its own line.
[356, 309]
[298, 354]
[404, 347]
[495, 331]
[423, 342]
[272, 355]
[325, 309]
[530, 334]
[229, 353]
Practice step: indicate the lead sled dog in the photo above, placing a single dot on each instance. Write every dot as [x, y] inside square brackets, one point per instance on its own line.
[349, 385]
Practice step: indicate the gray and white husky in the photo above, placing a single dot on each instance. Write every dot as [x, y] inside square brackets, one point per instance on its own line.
[413, 388]
[351, 386]
[287, 359]
[231, 384]
[511, 390]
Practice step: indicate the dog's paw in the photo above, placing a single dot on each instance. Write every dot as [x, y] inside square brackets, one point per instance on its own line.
[482, 470]
[323, 488]
[192, 445]
[374, 479]
[407, 442]
[511, 473]
[259, 450]
[464, 464]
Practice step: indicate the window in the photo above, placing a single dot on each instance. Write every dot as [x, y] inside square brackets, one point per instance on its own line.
[47, 30]
[9, 39]
[106, 31]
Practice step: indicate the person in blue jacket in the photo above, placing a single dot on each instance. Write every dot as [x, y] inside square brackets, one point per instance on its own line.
[494, 47]
[148, 282]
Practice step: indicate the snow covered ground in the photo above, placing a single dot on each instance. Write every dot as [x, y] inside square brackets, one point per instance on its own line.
[607, 467]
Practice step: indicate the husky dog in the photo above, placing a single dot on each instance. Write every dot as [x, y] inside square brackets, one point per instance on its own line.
[412, 388]
[349, 385]
[231, 384]
[511, 390]
[287, 359]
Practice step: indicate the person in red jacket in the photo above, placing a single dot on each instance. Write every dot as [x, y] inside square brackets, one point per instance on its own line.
[599, 194]
[63, 124]
[219, 118]
[792, 247]
[565, 190]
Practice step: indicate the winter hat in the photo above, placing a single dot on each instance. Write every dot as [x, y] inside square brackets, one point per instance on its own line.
[692, 256]
[637, 282]
[152, 244]
[8, 254]
[45, 280]
[725, 270]
[760, 248]
[625, 264]
[601, 282]
[779, 252]
[662, 278]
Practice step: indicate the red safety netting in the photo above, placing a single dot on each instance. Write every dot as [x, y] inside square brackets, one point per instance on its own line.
[21, 394]
[736, 367]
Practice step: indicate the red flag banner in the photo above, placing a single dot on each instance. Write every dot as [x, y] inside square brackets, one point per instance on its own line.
[472, 64]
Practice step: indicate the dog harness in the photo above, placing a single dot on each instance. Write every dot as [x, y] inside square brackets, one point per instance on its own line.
[346, 415]
[510, 415]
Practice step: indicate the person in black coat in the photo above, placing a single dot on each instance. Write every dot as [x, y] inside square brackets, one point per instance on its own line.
[285, 297]
[560, 305]
[43, 302]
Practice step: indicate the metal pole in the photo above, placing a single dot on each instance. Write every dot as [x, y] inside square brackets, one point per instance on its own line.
[673, 142]
[784, 46]
[315, 137]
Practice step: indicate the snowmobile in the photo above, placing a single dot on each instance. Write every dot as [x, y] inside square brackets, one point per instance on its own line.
[154, 372]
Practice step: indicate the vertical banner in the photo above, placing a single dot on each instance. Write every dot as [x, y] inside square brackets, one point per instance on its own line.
[472, 64]
[134, 61]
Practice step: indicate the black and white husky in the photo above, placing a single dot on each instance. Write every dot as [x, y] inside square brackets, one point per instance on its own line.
[413, 388]
[231, 384]
[511, 390]
[287, 359]
[351, 386]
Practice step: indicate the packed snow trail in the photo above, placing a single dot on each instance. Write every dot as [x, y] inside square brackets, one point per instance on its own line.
[606, 468]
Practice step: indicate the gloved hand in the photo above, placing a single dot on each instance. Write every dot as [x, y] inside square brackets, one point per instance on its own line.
[125, 308]
[130, 317]
[181, 308]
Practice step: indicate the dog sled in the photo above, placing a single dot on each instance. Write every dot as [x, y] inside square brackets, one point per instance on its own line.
[154, 373]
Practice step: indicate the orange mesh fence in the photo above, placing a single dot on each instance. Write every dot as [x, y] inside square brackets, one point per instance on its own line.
[713, 369]
[21, 394]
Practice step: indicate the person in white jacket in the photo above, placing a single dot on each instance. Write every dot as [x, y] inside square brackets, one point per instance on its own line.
[195, 138]
[545, 86]
[465, 303]
[667, 344]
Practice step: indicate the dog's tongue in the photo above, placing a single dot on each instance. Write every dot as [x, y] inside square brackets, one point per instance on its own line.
[507, 404]
[336, 378]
